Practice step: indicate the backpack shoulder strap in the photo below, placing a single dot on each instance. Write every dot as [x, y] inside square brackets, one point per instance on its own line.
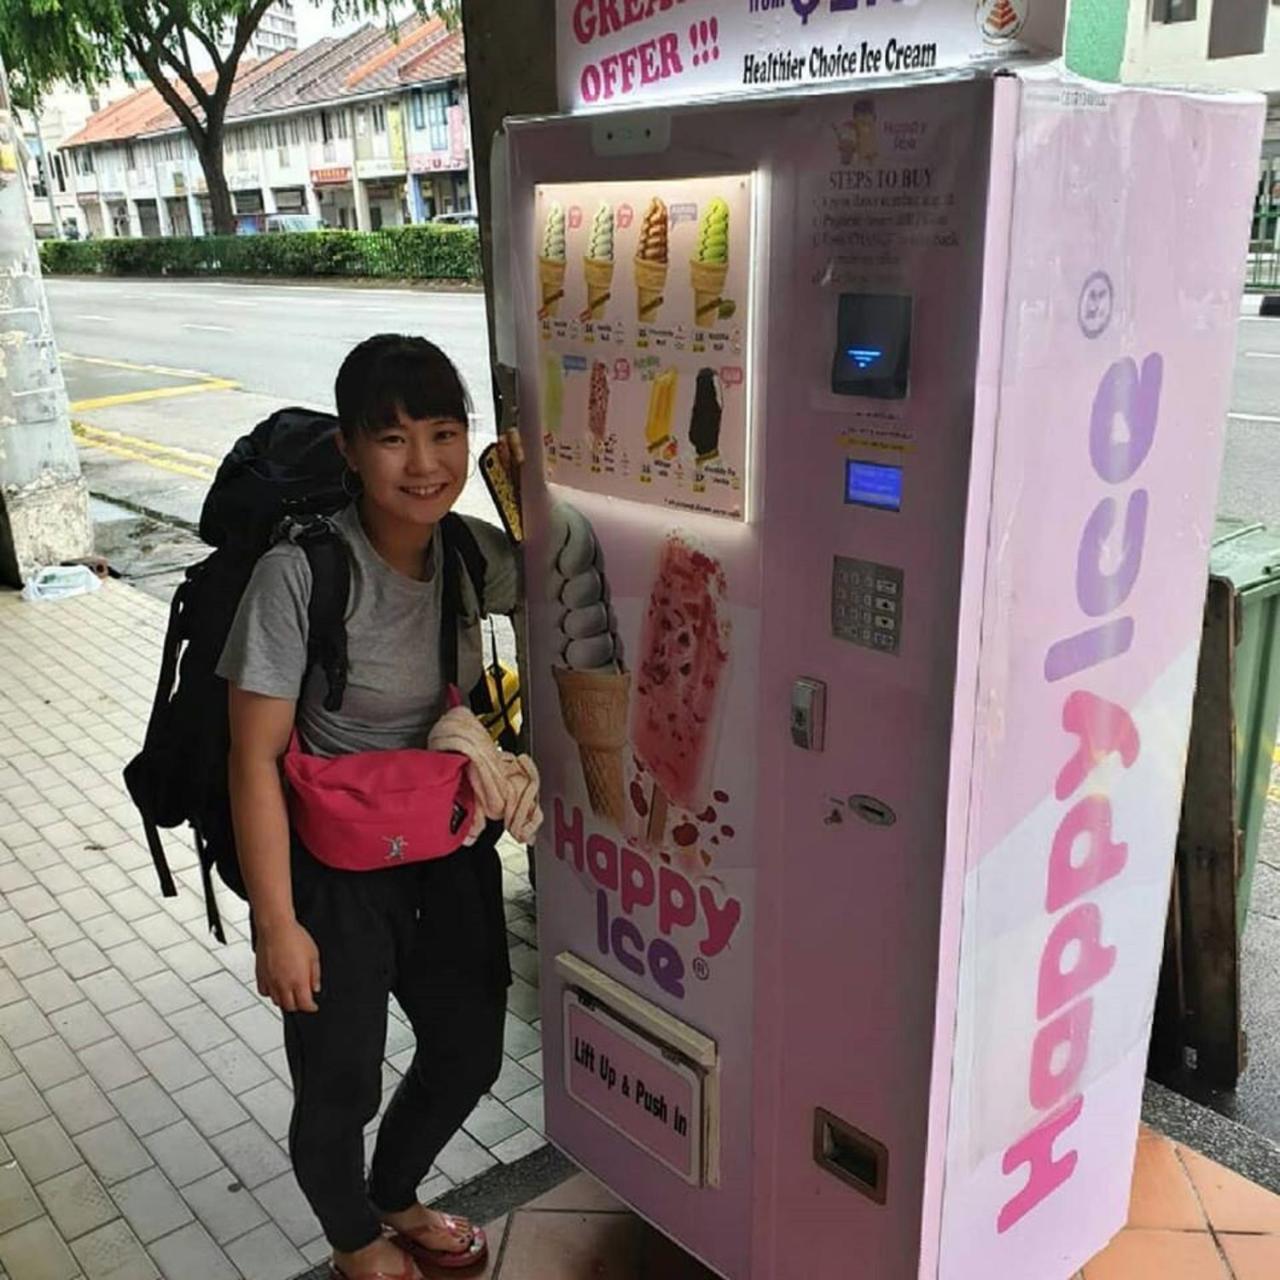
[330, 565]
[461, 554]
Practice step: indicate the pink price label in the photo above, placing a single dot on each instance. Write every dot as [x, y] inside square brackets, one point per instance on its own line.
[731, 375]
[622, 370]
[633, 1088]
[575, 217]
[625, 216]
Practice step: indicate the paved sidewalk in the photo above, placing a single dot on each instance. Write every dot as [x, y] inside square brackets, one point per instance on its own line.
[1189, 1219]
[143, 1094]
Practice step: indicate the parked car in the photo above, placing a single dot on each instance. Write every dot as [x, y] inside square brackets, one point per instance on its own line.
[463, 218]
[294, 222]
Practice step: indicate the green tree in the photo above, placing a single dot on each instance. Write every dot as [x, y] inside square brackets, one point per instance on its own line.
[86, 41]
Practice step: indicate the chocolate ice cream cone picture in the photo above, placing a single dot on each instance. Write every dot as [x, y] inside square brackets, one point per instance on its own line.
[593, 685]
[597, 266]
[710, 266]
[551, 263]
[652, 262]
[684, 650]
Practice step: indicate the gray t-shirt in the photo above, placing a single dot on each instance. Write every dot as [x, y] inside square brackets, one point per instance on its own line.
[395, 690]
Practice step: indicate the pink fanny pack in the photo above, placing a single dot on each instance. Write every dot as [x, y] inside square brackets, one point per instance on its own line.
[377, 809]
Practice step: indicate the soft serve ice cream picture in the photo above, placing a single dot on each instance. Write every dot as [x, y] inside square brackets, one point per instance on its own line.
[597, 266]
[552, 261]
[710, 265]
[593, 685]
[651, 262]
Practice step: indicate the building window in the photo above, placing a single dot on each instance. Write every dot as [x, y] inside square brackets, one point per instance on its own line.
[282, 135]
[309, 128]
[1173, 11]
[419, 109]
[295, 131]
[438, 119]
[59, 172]
[334, 124]
[130, 157]
[1237, 29]
[326, 126]
[379, 118]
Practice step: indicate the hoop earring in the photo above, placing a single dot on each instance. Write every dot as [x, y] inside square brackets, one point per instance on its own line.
[351, 485]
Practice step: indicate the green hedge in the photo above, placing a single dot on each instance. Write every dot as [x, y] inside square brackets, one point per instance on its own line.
[424, 252]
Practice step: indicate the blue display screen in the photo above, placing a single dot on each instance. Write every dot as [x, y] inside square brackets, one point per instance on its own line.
[872, 484]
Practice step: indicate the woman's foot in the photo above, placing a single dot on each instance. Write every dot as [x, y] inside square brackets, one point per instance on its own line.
[381, 1260]
[438, 1239]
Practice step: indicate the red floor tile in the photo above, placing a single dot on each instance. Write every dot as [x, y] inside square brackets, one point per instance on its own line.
[1163, 1196]
[1253, 1257]
[1159, 1255]
[1232, 1202]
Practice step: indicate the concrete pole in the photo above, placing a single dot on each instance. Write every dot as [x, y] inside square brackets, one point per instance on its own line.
[511, 70]
[364, 219]
[44, 504]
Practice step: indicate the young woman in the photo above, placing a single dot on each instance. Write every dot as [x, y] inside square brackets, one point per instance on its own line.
[332, 945]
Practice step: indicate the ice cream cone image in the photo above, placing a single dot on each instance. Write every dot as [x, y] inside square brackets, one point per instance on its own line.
[551, 262]
[594, 687]
[708, 290]
[710, 266]
[651, 262]
[599, 276]
[551, 277]
[598, 264]
[593, 707]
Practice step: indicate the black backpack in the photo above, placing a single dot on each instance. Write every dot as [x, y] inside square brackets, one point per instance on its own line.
[284, 479]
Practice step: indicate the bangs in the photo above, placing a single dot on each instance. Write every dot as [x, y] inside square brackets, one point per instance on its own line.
[392, 374]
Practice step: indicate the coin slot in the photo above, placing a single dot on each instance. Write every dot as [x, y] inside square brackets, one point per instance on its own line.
[850, 1155]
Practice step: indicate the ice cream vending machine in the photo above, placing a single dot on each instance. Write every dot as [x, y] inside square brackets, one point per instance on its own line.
[873, 443]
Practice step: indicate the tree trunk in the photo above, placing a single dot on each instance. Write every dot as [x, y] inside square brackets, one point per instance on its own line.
[224, 218]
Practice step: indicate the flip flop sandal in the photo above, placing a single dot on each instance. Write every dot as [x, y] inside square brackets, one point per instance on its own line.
[474, 1255]
[411, 1272]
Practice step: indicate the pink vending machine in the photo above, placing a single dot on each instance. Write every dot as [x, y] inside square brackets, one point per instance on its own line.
[873, 441]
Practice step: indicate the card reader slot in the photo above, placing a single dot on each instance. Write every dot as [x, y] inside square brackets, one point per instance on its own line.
[850, 1155]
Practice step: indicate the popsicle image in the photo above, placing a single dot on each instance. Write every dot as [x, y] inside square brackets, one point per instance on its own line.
[552, 396]
[592, 682]
[598, 264]
[651, 261]
[662, 403]
[551, 262]
[598, 405]
[710, 265]
[684, 649]
[704, 422]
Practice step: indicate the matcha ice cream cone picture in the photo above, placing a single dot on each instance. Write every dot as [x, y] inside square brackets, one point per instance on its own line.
[652, 261]
[710, 265]
[593, 685]
[598, 264]
[551, 262]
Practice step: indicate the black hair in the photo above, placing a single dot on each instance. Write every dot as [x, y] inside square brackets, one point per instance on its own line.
[393, 373]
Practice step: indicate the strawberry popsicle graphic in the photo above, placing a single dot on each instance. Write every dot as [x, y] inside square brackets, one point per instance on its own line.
[684, 649]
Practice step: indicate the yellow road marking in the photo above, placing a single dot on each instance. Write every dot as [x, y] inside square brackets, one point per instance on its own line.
[139, 368]
[182, 462]
[152, 393]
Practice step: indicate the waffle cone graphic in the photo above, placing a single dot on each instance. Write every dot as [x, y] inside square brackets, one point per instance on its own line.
[708, 290]
[599, 276]
[651, 281]
[593, 707]
[551, 276]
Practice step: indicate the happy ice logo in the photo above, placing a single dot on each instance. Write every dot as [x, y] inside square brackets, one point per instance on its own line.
[628, 885]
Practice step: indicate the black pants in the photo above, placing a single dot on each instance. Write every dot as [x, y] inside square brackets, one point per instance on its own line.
[433, 935]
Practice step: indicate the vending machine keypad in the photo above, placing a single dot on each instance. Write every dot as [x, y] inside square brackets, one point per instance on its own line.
[866, 603]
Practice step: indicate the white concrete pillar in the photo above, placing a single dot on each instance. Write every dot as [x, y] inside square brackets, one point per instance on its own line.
[108, 226]
[193, 211]
[313, 201]
[364, 219]
[135, 222]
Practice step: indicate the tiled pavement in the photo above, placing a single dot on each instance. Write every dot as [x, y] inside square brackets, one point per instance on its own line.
[1189, 1219]
[143, 1094]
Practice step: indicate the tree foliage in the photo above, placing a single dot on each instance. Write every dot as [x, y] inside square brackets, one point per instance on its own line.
[86, 42]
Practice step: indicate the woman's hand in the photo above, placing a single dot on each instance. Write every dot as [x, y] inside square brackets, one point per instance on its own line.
[288, 967]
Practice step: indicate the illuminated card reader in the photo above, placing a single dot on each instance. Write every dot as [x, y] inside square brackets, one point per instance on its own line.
[873, 346]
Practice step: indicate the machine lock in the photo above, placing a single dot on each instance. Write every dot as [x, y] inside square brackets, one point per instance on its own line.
[808, 713]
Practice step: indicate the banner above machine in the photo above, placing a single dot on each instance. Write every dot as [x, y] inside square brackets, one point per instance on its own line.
[613, 53]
